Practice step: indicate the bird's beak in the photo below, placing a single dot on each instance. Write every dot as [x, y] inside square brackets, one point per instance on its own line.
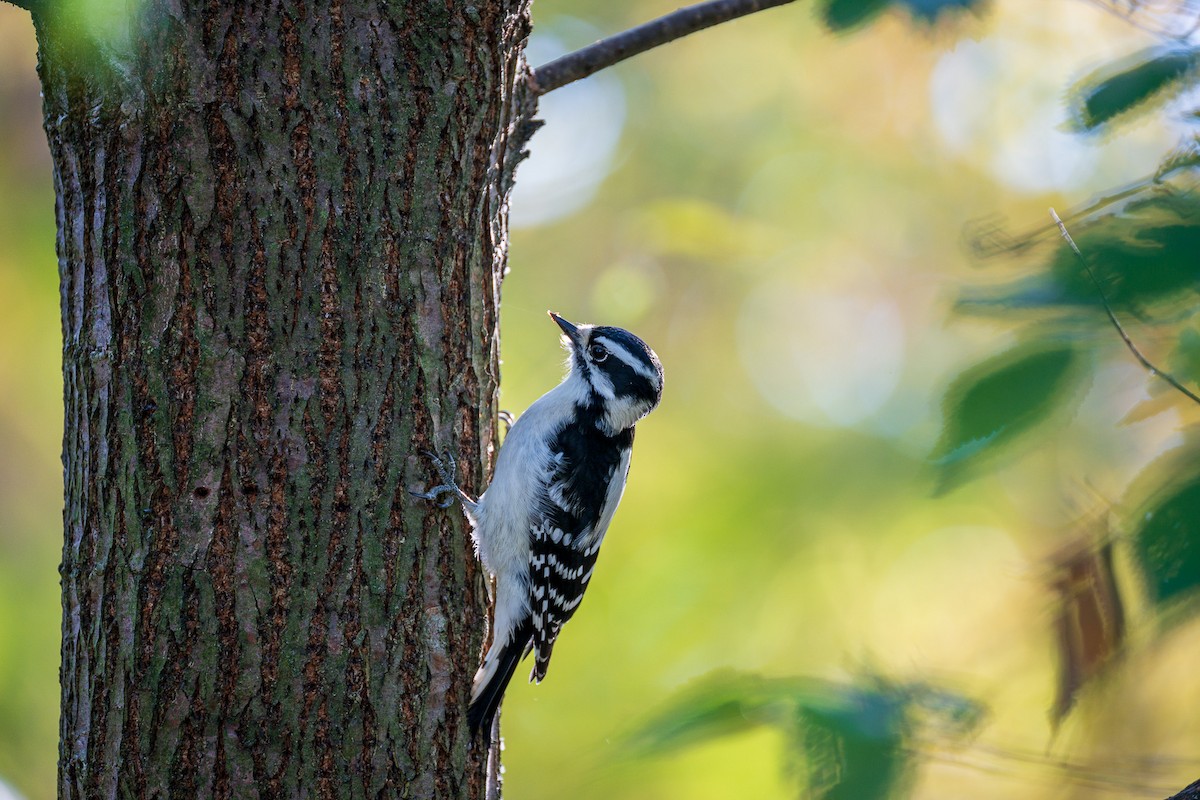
[570, 330]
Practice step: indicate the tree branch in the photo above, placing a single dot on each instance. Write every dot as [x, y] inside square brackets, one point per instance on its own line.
[606, 52]
[1190, 792]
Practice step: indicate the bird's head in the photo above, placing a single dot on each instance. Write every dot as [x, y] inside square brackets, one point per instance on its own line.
[615, 371]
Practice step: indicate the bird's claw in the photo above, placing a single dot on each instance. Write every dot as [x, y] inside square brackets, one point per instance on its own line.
[446, 471]
[508, 419]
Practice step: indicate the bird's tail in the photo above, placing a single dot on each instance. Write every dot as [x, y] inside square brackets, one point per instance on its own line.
[493, 676]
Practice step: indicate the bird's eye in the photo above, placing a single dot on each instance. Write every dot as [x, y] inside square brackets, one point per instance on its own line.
[598, 353]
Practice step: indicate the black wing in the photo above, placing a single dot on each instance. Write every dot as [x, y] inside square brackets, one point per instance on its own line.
[588, 473]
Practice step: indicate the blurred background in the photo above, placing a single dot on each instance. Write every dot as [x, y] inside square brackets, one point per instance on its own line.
[911, 519]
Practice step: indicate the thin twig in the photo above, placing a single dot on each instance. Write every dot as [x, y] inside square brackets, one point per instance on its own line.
[1113, 317]
[606, 52]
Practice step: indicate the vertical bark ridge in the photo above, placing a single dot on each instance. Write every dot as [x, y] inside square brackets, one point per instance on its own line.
[281, 240]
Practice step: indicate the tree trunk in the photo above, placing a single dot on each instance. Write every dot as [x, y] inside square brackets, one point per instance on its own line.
[282, 230]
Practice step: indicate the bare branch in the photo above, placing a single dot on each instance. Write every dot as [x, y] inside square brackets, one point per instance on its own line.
[1190, 792]
[667, 28]
[1113, 317]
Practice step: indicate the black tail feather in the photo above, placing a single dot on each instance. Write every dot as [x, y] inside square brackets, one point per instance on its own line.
[483, 708]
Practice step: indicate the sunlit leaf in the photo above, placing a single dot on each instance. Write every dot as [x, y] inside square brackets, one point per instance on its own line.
[702, 231]
[1167, 543]
[1133, 82]
[100, 31]
[1159, 402]
[993, 402]
[1089, 621]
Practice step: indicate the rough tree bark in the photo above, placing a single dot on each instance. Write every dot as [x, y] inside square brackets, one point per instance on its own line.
[281, 238]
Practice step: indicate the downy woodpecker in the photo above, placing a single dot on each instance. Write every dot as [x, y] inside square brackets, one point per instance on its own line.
[558, 479]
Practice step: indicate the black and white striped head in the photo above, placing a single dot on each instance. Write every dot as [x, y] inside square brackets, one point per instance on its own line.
[617, 372]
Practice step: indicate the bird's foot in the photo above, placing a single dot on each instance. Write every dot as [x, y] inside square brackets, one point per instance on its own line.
[449, 487]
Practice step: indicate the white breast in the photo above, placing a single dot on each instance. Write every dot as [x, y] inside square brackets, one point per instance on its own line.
[501, 520]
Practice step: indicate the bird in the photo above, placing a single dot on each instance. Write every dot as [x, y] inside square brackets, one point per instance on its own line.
[559, 477]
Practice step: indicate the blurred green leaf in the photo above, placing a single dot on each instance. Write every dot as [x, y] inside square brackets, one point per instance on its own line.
[1142, 256]
[992, 403]
[848, 739]
[1185, 362]
[1167, 544]
[1123, 86]
[853, 750]
[842, 15]
[930, 10]
[721, 704]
